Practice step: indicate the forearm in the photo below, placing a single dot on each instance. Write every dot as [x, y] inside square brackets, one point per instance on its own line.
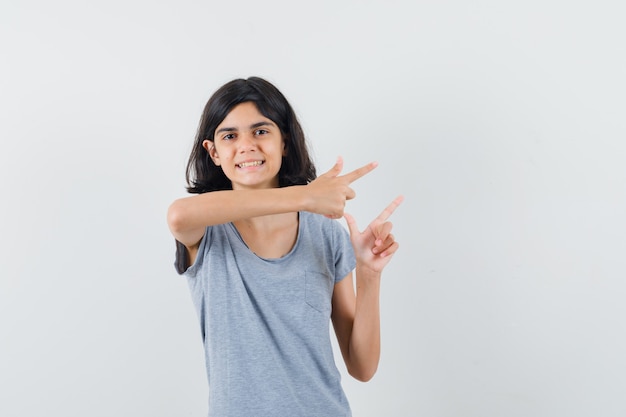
[365, 337]
[358, 320]
[219, 207]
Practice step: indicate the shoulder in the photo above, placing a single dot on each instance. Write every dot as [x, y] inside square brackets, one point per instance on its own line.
[189, 260]
[322, 229]
[318, 220]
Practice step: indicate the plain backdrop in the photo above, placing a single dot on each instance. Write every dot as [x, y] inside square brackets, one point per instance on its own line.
[501, 122]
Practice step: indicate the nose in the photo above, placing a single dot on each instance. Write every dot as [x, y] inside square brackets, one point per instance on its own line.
[246, 142]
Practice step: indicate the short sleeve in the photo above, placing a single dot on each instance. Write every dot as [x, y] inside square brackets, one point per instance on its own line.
[192, 270]
[345, 260]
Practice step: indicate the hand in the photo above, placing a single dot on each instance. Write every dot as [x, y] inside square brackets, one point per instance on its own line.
[374, 246]
[329, 192]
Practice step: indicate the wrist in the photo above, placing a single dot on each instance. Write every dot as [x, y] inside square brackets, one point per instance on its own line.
[299, 197]
[367, 275]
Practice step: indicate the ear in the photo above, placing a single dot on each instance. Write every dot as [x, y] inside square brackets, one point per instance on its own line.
[284, 148]
[210, 148]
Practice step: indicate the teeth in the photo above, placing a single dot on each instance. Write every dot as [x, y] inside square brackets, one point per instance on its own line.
[250, 164]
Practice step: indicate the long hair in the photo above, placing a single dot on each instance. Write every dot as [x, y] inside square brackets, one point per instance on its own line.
[296, 169]
[204, 176]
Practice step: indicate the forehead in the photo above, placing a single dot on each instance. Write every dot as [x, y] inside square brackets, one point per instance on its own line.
[243, 115]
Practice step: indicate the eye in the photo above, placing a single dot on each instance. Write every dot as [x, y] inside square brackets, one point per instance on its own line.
[228, 136]
[260, 132]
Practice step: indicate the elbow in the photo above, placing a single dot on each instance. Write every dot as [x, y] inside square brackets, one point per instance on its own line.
[362, 364]
[175, 218]
[363, 374]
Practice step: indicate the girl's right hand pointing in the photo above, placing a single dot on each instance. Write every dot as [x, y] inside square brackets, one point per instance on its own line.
[328, 193]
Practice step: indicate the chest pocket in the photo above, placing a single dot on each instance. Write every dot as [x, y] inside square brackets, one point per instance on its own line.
[318, 291]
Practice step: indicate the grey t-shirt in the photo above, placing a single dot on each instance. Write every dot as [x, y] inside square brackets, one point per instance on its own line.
[265, 322]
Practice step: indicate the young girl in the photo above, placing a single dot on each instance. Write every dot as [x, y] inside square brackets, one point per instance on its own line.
[268, 264]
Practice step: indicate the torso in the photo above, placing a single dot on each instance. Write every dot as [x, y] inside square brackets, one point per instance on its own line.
[265, 322]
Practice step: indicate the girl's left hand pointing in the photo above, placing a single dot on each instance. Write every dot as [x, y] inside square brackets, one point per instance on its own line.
[374, 246]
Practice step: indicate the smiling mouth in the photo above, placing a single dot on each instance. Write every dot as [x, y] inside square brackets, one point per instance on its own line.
[250, 164]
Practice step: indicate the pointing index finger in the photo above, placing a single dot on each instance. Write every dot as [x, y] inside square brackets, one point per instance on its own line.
[388, 211]
[359, 172]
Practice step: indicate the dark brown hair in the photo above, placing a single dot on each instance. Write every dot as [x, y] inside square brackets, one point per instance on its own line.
[204, 176]
[296, 169]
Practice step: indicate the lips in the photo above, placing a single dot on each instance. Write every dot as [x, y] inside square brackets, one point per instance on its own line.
[249, 164]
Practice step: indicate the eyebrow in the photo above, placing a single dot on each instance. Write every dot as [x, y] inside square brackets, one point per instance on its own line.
[252, 126]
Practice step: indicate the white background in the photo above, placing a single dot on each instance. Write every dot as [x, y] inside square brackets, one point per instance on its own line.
[502, 123]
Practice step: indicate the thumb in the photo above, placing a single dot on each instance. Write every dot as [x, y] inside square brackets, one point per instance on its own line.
[352, 227]
[336, 169]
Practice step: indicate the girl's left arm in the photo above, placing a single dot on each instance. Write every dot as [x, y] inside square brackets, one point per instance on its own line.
[356, 316]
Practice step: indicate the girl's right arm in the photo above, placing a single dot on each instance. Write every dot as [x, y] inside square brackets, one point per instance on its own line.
[327, 194]
[189, 216]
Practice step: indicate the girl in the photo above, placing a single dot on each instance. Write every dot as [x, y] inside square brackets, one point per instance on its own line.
[268, 264]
